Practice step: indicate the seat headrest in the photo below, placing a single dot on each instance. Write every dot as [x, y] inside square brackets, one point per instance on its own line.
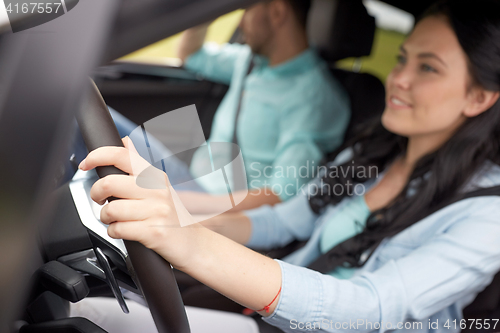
[340, 29]
[367, 96]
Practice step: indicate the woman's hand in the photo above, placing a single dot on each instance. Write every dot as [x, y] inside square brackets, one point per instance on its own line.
[147, 209]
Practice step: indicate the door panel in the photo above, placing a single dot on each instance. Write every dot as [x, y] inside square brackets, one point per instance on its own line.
[141, 91]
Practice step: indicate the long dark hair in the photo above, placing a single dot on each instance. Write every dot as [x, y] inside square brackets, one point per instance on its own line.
[448, 169]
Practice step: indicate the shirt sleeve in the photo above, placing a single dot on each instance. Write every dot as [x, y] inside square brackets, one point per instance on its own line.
[453, 265]
[279, 225]
[216, 62]
[310, 126]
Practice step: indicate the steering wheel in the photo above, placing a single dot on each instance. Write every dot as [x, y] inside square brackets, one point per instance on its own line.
[152, 273]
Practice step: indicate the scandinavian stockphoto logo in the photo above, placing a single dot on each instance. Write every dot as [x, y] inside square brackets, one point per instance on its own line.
[26, 14]
[175, 139]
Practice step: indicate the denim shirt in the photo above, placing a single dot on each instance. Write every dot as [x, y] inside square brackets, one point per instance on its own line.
[291, 115]
[422, 277]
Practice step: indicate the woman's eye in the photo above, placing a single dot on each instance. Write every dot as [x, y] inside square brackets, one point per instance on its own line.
[401, 59]
[427, 68]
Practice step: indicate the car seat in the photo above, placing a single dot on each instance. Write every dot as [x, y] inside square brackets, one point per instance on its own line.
[486, 305]
[341, 29]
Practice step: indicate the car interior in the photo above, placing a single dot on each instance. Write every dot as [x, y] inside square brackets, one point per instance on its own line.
[54, 248]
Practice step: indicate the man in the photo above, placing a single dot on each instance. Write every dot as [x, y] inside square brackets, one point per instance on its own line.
[291, 110]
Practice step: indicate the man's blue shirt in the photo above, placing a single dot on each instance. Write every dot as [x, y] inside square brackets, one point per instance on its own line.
[291, 115]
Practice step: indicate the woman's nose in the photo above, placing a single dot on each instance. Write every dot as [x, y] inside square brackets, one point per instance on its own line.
[402, 77]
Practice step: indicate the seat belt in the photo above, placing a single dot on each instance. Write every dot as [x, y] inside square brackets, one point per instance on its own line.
[239, 182]
[331, 259]
[238, 109]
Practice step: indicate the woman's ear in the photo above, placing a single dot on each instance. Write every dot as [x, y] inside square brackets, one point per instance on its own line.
[480, 100]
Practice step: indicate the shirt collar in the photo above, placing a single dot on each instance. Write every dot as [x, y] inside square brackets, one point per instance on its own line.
[300, 63]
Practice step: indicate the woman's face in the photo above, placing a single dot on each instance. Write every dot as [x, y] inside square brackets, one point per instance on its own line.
[426, 93]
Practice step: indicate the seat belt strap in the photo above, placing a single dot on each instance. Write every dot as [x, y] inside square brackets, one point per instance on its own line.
[332, 259]
[238, 109]
[239, 180]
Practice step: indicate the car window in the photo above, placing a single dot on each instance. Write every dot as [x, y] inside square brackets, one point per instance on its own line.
[220, 32]
[393, 24]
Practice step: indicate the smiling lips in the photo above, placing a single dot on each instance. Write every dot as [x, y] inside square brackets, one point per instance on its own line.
[396, 103]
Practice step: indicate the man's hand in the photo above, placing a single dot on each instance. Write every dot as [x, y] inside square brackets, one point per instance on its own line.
[192, 40]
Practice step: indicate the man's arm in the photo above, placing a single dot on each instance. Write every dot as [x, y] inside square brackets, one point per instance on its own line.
[266, 227]
[254, 199]
[192, 40]
[204, 203]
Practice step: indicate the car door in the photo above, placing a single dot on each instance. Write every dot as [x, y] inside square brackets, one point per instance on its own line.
[142, 91]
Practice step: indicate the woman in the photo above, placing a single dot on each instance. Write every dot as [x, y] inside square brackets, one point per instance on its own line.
[439, 136]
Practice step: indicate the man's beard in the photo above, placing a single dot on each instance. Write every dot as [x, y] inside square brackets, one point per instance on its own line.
[256, 49]
[259, 47]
